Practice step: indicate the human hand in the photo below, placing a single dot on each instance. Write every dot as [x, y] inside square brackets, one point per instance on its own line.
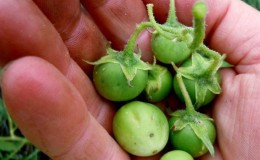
[54, 103]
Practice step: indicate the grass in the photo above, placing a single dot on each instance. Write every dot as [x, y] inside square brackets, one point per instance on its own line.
[253, 3]
[13, 145]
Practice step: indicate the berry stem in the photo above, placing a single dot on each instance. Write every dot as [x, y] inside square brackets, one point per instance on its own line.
[176, 30]
[155, 25]
[186, 96]
[172, 18]
[199, 12]
[218, 59]
[188, 102]
[130, 46]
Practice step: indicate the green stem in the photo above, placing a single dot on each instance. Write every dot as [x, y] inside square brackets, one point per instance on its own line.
[218, 59]
[167, 31]
[186, 96]
[199, 12]
[155, 25]
[130, 47]
[23, 142]
[172, 18]
[14, 138]
[188, 102]
[11, 126]
[208, 52]
[34, 153]
[176, 30]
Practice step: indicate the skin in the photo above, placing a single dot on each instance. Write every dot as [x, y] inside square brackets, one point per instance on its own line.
[54, 103]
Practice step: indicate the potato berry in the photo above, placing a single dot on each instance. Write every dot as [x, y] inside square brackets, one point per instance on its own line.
[193, 133]
[159, 83]
[141, 128]
[176, 155]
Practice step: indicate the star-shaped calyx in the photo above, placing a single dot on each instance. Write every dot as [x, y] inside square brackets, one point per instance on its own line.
[198, 122]
[203, 71]
[129, 62]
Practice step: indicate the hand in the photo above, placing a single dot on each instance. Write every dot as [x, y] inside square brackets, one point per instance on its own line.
[54, 103]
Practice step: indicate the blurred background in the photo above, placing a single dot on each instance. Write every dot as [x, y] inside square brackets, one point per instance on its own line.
[254, 3]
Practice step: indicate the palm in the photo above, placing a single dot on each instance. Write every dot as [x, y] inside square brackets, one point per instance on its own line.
[236, 115]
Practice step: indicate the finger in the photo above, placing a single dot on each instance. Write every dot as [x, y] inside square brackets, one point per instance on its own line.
[236, 112]
[52, 114]
[117, 19]
[80, 34]
[229, 30]
[241, 37]
[24, 30]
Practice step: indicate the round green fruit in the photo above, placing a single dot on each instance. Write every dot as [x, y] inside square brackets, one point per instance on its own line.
[186, 139]
[111, 83]
[176, 155]
[169, 50]
[141, 128]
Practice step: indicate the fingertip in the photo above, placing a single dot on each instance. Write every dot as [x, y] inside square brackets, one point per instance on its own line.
[45, 106]
[52, 114]
[94, 144]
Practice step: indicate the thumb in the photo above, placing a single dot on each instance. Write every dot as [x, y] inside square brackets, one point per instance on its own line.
[52, 114]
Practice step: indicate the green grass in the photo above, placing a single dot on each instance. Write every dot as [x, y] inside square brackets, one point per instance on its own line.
[254, 3]
[13, 145]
